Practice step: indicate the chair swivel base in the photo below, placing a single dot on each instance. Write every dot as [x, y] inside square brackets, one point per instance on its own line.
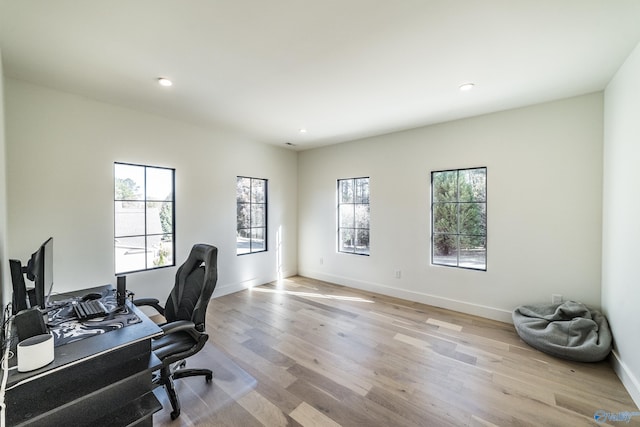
[166, 379]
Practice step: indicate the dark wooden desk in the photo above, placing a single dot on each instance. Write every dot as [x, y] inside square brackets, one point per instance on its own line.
[103, 380]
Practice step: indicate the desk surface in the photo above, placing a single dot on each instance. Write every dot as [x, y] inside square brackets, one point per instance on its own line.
[79, 351]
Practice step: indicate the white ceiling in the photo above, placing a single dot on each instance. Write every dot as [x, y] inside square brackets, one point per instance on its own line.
[343, 69]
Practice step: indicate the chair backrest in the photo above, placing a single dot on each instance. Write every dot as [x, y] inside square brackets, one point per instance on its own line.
[195, 281]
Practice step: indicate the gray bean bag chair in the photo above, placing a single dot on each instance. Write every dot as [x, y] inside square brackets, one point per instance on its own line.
[569, 330]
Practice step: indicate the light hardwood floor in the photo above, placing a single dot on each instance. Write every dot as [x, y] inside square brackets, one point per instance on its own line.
[305, 352]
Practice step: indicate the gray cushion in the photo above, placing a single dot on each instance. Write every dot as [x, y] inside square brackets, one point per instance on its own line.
[570, 330]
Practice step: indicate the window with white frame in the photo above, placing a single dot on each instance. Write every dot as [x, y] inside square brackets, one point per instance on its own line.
[459, 218]
[144, 217]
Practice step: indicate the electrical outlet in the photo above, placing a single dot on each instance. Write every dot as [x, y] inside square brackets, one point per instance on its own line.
[321, 261]
[556, 299]
[398, 274]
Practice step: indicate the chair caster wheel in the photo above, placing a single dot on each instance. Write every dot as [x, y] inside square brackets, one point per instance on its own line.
[174, 415]
[208, 378]
[181, 365]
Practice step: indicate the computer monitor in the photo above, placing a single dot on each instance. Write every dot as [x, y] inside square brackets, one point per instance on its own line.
[40, 270]
[20, 294]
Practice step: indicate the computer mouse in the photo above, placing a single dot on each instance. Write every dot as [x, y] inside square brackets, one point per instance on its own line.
[91, 296]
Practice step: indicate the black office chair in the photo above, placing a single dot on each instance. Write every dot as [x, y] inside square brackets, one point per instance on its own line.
[185, 310]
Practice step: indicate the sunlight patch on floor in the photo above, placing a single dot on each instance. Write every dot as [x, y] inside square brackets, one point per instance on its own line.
[307, 415]
[447, 325]
[311, 295]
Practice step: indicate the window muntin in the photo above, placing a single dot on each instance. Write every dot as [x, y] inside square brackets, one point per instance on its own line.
[251, 202]
[144, 217]
[353, 216]
[459, 218]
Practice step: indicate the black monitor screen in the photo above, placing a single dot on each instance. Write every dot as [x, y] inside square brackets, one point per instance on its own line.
[48, 267]
[40, 267]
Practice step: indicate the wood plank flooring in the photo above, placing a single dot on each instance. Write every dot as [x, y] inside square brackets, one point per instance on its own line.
[302, 352]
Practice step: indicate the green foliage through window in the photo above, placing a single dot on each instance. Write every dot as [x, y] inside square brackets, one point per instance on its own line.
[459, 218]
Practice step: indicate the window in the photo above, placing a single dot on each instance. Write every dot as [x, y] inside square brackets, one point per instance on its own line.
[459, 218]
[144, 213]
[251, 198]
[353, 216]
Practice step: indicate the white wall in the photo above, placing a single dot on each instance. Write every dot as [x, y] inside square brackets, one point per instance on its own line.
[60, 154]
[5, 284]
[544, 208]
[621, 220]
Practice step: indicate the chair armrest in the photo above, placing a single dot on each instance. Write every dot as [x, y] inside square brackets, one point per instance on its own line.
[178, 326]
[184, 326]
[151, 302]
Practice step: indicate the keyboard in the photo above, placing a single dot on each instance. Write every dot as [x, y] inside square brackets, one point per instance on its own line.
[89, 309]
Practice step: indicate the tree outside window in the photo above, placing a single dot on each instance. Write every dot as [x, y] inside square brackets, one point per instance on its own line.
[459, 218]
[144, 217]
[353, 216]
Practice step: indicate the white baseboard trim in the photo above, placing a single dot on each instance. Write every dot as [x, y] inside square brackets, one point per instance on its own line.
[227, 289]
[434, 300]
[230, 288]
[629, 380]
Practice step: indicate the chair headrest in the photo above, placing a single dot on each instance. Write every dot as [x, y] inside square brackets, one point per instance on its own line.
[200, 253]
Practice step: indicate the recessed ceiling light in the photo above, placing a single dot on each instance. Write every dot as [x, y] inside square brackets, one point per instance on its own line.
[466, 87]
[290, 144]
[163, 81]
[303, 130]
